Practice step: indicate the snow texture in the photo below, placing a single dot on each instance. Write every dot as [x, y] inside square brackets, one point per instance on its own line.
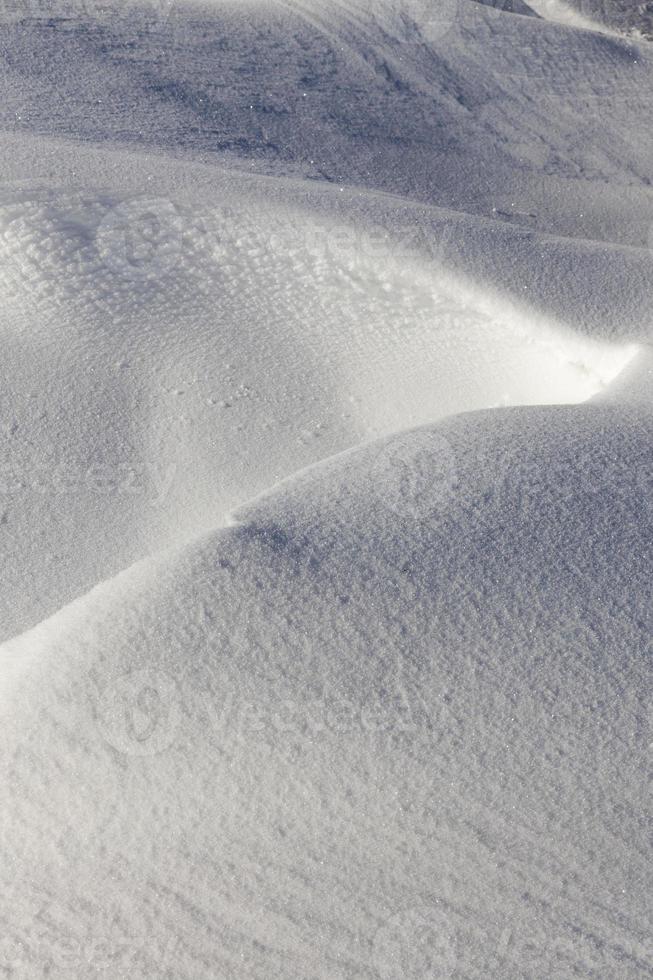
[326, 505]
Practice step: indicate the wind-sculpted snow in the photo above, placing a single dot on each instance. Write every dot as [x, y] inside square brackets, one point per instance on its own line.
[261, 757]
[486, 111]
[623, 17]
[183, 358]
[325, 490]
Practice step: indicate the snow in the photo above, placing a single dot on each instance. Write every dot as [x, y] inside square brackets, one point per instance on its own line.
[325, 492]
[565, 13]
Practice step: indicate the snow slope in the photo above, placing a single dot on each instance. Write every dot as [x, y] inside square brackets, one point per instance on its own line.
[635, 19]
[388, 275]
[574, 15]
[143, 401]
[131, 261]
[257, 757]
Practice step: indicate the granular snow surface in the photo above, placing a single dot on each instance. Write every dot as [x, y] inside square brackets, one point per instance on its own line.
[326, 503]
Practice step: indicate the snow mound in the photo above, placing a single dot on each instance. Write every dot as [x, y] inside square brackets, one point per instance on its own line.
[257, 757]
[197, 355]
[383, 269]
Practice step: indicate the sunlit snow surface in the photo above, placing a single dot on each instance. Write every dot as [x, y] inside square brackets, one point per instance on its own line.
[325, 492]
[566, 13]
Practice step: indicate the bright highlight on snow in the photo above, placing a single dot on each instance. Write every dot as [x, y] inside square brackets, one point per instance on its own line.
[326, 500]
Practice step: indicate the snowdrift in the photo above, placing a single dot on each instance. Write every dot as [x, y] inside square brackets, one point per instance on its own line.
[172, 376]
[259, 757]
[325, 491]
